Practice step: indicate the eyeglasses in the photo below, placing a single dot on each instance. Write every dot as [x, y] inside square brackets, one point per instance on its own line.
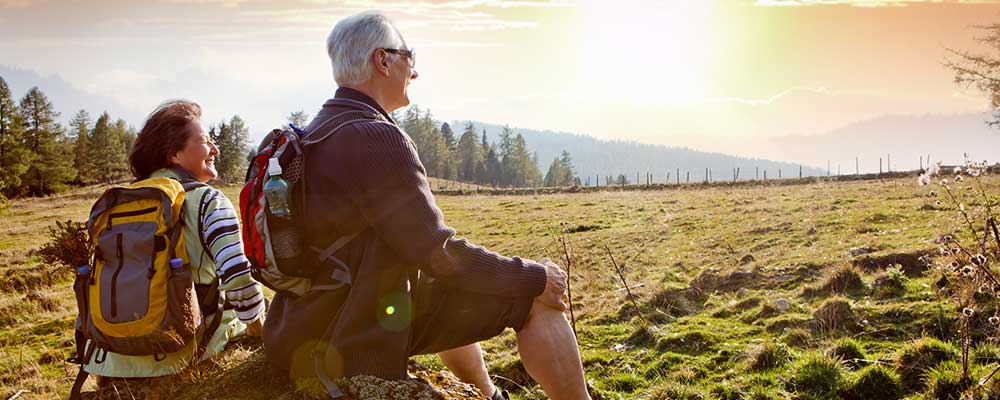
[411, 55]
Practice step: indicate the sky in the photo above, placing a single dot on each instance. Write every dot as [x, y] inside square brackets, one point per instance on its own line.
[658, 72]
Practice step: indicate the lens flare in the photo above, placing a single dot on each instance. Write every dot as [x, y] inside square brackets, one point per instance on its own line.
[390, 310]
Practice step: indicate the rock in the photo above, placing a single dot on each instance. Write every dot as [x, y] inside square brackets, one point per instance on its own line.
[857, 251]
[782, 305]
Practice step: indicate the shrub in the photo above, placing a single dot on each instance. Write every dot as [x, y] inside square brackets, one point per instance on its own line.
[677, 391]
[917, 357]
[834, 314]
[692, 342]
[798, 337]
[816, 376]
[767, 355]
[843, 279]
[624, 383]
[875, 382]
[891, 283]
[945, 381]
[850, 351]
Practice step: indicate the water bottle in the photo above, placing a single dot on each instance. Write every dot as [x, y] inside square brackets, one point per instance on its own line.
[284, 236]
[175, 263]
[83, 270]
[276, 191]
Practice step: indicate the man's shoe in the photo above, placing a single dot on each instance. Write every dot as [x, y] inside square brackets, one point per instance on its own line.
[500, 395]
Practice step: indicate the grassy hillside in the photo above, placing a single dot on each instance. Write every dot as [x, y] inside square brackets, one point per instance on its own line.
[742, 292]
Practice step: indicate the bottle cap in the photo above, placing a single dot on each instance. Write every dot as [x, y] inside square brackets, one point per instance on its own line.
[273, 167]
[176, 263]
[83, 269]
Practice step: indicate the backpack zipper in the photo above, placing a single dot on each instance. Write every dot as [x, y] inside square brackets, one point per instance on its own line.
[114, 278]
[129, 214]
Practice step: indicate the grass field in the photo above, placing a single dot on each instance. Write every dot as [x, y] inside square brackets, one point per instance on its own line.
[748, 292]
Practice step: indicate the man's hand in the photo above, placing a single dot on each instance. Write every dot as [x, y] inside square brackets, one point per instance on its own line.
[255, 328]
[554, 294]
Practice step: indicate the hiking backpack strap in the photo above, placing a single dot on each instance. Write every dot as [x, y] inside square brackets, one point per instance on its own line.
[208, 292]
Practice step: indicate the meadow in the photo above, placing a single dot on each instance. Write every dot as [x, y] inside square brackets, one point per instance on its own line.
[758, 291]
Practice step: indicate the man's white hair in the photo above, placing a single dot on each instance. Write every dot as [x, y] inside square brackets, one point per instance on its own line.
[352, 42]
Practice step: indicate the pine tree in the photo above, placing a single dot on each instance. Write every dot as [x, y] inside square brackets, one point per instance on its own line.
[106, 151]
[299, 118]
[126, 137]
[468, 154]
[566, 164]
[52, 167]
[14, 155]
[449, 136]
[84, 165]
[231, 140]
[508, 163]
[554, 176]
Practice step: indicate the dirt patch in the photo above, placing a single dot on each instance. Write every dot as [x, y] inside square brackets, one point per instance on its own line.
[913, 263]
[711, 280]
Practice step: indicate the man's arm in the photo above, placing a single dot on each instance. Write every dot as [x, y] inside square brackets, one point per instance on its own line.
[397, 202]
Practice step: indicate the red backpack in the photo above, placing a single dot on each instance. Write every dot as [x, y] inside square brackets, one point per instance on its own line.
[291, 147]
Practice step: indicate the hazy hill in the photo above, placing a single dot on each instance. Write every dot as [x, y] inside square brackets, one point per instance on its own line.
[903, 138]
[595, 157]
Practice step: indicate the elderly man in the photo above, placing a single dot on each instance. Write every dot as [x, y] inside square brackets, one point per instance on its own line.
[414, 287]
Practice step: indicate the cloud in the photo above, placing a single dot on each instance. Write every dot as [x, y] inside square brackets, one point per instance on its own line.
[367, 4]
[223, 3]
[20, 3]
[863, 3]
[771, 99]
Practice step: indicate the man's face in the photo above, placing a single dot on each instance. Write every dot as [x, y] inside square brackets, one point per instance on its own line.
[400, 74]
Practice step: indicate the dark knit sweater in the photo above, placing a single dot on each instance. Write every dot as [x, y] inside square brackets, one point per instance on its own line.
[368, 178]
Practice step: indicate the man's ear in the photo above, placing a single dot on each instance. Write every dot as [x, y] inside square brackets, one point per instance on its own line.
[381, 62]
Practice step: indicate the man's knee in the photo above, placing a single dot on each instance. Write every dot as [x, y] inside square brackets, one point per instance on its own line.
[543, 314]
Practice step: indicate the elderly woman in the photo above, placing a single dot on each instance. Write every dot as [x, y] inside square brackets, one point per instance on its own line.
[173, 144]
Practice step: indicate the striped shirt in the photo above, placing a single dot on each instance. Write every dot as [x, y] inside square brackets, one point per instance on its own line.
[223, 252]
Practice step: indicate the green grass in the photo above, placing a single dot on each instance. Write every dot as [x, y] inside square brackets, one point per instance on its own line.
[718, 324]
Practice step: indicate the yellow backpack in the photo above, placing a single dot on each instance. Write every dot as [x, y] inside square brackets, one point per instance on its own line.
[138, 298]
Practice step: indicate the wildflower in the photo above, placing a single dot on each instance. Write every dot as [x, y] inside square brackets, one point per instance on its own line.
[994, 320]
[954, 265]
[937, 203]
[961, 206]
[984, 288]
[968, 312]
[947, 238]
[944, 182]
[923, 180]
[958, 178]
[979, 259]
[967, 270]
[934, 169]
[958, 170]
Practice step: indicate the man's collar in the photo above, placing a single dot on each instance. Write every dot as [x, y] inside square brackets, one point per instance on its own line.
[357, 95]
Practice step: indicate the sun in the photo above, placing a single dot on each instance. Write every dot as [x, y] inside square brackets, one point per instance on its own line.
[653, 52]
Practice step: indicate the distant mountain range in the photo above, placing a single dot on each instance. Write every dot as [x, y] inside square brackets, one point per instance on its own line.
[594, 157]
[905, 139]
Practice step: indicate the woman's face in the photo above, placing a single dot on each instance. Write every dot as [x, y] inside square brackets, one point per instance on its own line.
[198, 154]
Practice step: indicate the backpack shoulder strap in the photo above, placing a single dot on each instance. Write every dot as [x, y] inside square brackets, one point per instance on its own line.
[360, 112]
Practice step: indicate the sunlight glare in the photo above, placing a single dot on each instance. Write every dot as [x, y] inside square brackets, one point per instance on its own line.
[654, 53]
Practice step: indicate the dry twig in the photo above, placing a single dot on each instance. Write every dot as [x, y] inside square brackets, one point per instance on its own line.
[625, 282]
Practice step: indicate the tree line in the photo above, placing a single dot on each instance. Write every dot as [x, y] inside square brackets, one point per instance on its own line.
[39, 156]
[472, 158]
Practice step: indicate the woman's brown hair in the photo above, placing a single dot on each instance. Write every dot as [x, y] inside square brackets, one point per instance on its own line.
[165, 133]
